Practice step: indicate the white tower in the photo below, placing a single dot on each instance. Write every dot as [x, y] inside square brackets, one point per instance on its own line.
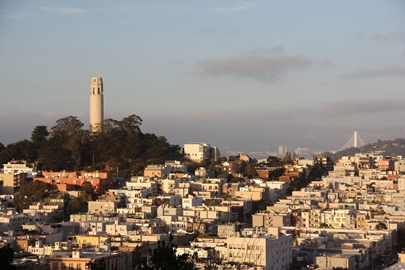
[355, 143]
[96, 104]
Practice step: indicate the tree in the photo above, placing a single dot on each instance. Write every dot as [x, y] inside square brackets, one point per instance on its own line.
[39, 135]
[87, 192]
[66, 127]
[164, 257]
[381, 226]
[21, 150]
[6, 257]
[72, 138]
[74, 206]
[53, 156]
[250, 170]
[273, 161]
[33, 267]
[30, 193]
[97, 265]
[287, 158]
[131, 123]
[67, 146]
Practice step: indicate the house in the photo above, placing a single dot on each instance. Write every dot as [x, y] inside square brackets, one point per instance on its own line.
[272, 250]
[100, 181]
[77, 260]
[199, 151]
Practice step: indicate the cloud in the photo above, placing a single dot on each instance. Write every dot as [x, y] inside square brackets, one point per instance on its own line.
[382, 37]
[177, 63]
[64, 11]
[256, 64]
[386, 71]
[327, 110]
[236, 8]
[390, 36]
[15, 15]
[325, 63]
[216, 31]
[119, 9]
[345, 108]
[255, 129]
[263, 51]
[170, 9]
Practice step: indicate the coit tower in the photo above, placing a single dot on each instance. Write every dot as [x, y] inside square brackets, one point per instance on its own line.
[96, 104]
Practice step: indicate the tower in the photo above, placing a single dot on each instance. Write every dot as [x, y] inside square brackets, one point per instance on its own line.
[96, 104]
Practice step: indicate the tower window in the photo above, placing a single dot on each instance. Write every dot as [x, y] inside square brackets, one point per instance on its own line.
[93, 90]
[99, 90]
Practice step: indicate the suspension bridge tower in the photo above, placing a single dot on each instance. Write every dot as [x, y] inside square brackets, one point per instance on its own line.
[354, 141]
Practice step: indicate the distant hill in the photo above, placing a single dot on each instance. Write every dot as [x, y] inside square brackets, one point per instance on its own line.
[384, 148]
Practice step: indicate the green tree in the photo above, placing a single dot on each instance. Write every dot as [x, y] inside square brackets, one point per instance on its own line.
[381, 226]
[287, 158]
[97, 265]
[273, 161]
[6, 257]
[164, 257]
[53, 156]
[21, 150]
[33, 267]
[74, 206]
[67, 146]
[87, 192]
[39, 135]
[66, 127]
[250, 170]
[30, 193]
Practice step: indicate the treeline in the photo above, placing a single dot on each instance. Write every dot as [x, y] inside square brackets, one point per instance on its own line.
[385, 148]
[67, 146]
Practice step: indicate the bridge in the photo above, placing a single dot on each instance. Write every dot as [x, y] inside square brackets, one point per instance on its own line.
[354, 141]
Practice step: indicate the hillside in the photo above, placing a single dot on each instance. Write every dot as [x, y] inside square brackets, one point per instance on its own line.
[385, 148]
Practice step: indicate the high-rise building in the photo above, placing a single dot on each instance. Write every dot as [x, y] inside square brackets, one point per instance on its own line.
[282, 150]
[96, 104]
[199, 151]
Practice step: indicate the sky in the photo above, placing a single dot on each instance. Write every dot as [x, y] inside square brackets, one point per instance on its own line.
[245, 76]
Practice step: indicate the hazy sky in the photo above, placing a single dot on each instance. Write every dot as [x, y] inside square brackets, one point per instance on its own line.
[213, 71]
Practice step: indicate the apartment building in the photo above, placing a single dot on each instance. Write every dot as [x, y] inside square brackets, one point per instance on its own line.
[10, 183]
[340, 261]
[269, 219]
[100, 181]
[199, 151]
[102, 207]
[77, 260]
[20, 166]
[156, 170]
[270, 251]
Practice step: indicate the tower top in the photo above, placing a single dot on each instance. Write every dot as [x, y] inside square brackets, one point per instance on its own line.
[96, 86]
[96, 80]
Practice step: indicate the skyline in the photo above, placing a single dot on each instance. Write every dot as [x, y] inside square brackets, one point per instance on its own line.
[218, 72]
